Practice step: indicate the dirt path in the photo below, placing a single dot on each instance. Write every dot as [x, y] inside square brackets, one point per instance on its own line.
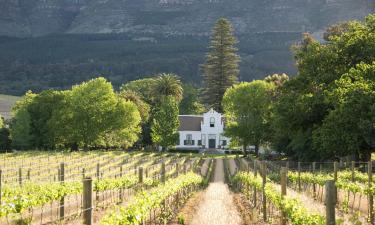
[217, 206]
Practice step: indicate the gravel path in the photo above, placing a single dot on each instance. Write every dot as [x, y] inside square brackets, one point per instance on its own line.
[217, 207]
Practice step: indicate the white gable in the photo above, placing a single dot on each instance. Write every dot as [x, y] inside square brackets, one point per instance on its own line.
[209, 136]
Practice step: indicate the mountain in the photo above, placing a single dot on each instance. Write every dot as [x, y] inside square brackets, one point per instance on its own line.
[56, 43]
[171, 17]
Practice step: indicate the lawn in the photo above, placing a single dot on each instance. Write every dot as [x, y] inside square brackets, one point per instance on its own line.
[6, 103]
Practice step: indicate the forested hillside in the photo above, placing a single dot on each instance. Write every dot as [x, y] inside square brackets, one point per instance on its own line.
[59, 61]
[126, 40]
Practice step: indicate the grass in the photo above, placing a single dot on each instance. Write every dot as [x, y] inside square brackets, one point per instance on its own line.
[6, 104]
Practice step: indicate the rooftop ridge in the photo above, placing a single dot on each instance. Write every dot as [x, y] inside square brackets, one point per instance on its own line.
[192, 115]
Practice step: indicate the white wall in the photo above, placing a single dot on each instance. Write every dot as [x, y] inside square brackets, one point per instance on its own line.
[207, 130]
[217, 130]
[196, 135]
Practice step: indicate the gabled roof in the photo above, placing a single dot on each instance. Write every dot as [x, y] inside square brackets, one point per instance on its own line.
[190, 122]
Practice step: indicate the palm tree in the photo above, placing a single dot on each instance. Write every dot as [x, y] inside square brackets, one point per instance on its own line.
[143, 107]
[167, 85]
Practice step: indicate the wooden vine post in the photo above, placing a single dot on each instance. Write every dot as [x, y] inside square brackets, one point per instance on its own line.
[283, 182]
[20, 176]
[299, 177]
[28, 174]
[255, 165]
[87, 201]
[140, 175]
[314, 185]
[264, 200]
[97, 175]
[98, 171]
[352, 167]
[1, 181]
[255, 189]
[162, 172]
[370, 196]
[330, 201]
[335, 169]
[184, 169]
[177, 169]
[62, 201]
[120, 193]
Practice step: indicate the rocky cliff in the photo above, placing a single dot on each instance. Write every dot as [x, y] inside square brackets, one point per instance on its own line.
[173, 17]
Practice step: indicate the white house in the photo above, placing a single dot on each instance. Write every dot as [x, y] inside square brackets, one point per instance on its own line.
[202, 131]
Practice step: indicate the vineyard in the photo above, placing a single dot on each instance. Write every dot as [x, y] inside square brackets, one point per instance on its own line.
[110, 188]
[307, 193]
[40, 188]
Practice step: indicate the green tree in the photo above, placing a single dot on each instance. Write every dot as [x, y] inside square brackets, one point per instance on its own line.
[220, 70]
[165, 123]
[143, 107]
[277, 79]
[60, 125]
[144, 110]
[303, 103]
[336, 30]
[143, 87]
[167, 85]
[20, 127]
[94, 111]
[125, 131]
[190, 103]
[5, 142]
[247, 108]
[349, 128]
[41, 110]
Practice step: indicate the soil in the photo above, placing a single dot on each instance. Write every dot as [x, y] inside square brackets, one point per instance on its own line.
[217, 206]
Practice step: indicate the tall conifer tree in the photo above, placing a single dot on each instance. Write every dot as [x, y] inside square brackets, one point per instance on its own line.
[220, 70]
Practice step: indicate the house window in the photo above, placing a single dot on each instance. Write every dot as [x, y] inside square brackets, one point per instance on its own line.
[189, 140]
[212, 122]
[224, 143]
[199, 142]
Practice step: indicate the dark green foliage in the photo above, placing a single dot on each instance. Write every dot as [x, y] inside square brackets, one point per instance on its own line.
[165, 123]
[221, 69]
[88, 115]
[143, 107]
[5, 142]
[247, 108]
[190, 103]
[142, 87]
[326, 110]
[41, 110]
[167, 85]
[349, 127]
[59, 61]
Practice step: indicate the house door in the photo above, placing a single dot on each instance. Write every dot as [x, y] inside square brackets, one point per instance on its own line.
[211, 143]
